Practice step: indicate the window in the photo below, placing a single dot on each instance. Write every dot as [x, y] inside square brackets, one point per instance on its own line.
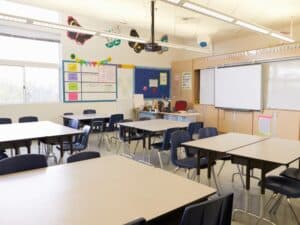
[34, 76]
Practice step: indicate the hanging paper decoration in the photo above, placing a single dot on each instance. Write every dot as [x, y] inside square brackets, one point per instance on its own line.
[113, 42]
[78, 37]
[137, 47]
[90, 63]
[164, 38]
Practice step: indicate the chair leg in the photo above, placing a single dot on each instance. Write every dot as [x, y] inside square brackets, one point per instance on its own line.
[188, 174]
[266, 206]
[221, 168]
[276, 205]
[241, 176]
[136, 146]
[176, 169]
[215, 180]
[293, 211]
[160, 159]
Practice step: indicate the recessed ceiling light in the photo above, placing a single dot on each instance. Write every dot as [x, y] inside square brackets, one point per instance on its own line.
[252, 27]
[282, 37]
[207, 11]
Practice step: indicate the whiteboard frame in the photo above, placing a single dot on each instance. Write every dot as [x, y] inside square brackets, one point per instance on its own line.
[87, 101]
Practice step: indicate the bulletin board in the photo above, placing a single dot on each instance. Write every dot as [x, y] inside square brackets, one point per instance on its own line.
[86, 83]
[152, 82]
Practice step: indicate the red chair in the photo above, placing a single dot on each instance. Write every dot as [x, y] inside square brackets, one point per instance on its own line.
[180, 105]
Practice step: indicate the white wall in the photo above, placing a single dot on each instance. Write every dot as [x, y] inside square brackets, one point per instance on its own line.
[94, 49]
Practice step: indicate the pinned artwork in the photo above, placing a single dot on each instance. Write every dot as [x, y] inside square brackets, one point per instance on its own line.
[79, 38]
[164, 38]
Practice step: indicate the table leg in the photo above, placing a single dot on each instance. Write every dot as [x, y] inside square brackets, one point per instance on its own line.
[71, 144]
[248, 175]
[263, 178]
[209, 165]
[198, 165]
[149, 148]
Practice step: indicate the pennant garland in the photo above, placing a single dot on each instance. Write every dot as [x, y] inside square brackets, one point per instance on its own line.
[90, 63]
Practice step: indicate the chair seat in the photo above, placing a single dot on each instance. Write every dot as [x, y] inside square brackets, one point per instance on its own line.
[76, 147]
[3, 155]
[291, 173]
[135, 137]
[159, 146]
[191, 163]
[283, 185]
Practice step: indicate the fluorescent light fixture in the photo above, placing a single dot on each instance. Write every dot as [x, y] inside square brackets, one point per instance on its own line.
[251, 27]
[173, 1]
[12, 18]
[208, 12]
[122, 37]
[185, 47]
[63, 27]
[282, 37]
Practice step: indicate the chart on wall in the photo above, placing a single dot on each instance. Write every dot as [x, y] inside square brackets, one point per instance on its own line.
[152, 82]
[85, 83]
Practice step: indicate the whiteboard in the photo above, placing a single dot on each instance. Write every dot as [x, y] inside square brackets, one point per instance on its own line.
[283, 86]
[239, 87]
[207, 87]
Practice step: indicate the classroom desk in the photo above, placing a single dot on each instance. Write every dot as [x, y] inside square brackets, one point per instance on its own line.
[266, 156]
[218, 146]
[153, 126]
[11, 135]
[112, 190]
[87, 117]
[184, 117]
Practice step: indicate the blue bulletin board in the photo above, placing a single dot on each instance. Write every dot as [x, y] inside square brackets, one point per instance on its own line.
[152, 82]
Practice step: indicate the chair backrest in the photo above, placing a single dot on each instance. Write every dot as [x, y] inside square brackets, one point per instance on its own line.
[123, 131]
[72, 123]
[27, 119]
[180, 105]
[22, 162]
[65, 120]
[83, 138]
[114, 120]
[144, 118]
[139, 221]
[207, 132]
[194, 128]
[83, 156]
[5, 120]
[89, 111]
[217, 211]
[177, 138]
[166, 143]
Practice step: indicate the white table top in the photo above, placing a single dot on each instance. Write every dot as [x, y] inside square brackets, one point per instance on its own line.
[275, 150]
[155, 125]
[87, 116]
[33, 130]
[225, 142]
[111, 190]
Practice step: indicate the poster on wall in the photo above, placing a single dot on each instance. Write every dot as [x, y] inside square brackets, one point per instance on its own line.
[265, 125]
[186, 82]
[163, 79]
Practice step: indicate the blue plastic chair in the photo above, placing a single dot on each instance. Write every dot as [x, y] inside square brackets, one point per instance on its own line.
[4, 120]
[217, 211]
[80, 144]
[27, 144]
[21, 163]
[165, 145]
[28, 119]
[282, 186]
[113, 122]
[89, 111]
[194, 128]
[65, 120]
[83, 156]
[188, 163]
